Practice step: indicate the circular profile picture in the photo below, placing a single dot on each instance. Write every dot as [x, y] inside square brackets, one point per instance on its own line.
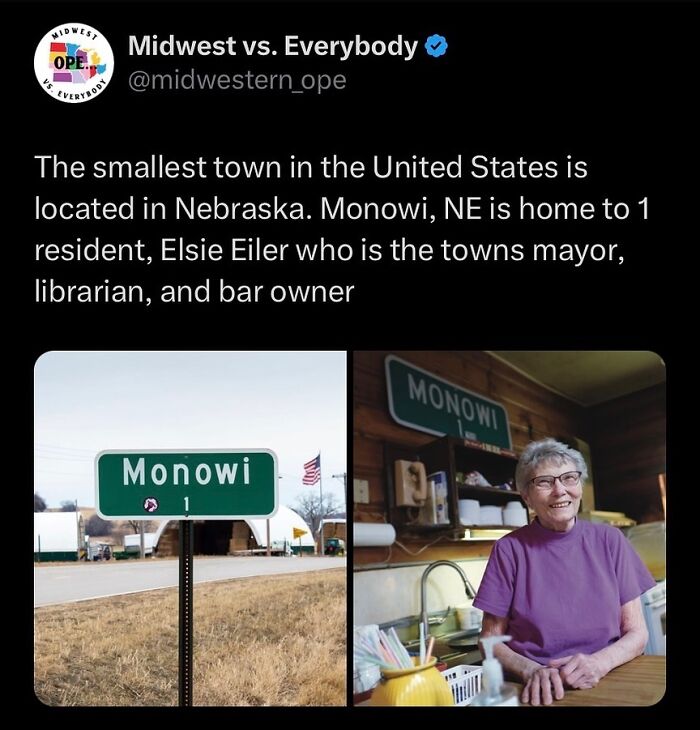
[73, 63]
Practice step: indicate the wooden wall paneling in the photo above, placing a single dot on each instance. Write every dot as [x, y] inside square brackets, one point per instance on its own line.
[629, 447]
[532, 411]
[527, 403]
[627, 436]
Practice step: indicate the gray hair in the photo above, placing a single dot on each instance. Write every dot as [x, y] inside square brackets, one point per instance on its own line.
[546, 450]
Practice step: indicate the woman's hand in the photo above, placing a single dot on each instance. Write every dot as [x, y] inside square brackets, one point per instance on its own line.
[579, 671]
[542, 686]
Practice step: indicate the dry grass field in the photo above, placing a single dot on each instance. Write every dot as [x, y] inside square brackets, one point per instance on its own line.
[278, 640]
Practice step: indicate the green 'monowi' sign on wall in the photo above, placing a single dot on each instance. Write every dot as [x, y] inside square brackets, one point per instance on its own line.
[206, 484]
[418, 399]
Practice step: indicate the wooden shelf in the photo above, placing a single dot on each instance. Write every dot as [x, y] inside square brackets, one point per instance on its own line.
[452, 456]
[488, 490]
[492, 527]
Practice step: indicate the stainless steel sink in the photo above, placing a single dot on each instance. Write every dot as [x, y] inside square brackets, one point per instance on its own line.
[456, 647]
[459, 638]
[464, 639]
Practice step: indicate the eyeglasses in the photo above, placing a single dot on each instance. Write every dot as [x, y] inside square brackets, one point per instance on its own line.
[567, 479]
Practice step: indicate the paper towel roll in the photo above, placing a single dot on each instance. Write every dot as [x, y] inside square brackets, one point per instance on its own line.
[365, 534]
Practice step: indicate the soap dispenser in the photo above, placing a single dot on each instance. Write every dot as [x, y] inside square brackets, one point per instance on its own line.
[493, 692]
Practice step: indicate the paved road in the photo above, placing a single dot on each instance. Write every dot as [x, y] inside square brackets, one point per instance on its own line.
[68, 583]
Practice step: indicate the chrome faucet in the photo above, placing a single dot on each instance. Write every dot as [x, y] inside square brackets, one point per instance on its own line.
[424, 586]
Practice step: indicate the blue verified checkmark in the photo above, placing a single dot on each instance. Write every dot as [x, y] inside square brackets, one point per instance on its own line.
[436, 45]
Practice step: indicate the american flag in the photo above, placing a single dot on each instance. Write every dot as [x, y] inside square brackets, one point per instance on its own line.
[312, 471]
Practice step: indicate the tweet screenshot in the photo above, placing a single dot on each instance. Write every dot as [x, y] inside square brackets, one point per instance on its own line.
[261, 189]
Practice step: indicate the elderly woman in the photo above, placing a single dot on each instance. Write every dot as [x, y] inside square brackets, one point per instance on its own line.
[566, 590]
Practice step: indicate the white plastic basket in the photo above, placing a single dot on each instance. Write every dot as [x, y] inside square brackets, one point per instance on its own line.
[465, 683]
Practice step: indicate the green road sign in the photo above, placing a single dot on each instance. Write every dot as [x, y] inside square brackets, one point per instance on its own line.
[205, 484]
[418, 399]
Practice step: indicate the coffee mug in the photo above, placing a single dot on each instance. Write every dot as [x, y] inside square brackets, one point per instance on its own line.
[469, 618]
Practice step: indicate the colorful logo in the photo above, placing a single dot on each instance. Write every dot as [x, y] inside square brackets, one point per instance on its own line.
[150, 504]
[73, 62]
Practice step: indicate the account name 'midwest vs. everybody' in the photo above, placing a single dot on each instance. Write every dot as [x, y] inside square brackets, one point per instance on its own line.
[292, 45]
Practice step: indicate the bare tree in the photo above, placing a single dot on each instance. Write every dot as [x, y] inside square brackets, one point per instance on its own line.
[309, 507]
[68, 506]
[135, 525]
[39, 504]
[97, 526]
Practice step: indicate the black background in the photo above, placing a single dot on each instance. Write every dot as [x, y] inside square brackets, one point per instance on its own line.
[608, 83]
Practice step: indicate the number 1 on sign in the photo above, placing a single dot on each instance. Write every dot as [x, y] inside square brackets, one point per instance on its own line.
[187, 505]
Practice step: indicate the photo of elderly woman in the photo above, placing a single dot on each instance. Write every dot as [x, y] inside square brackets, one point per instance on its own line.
[509, 528]
[567, 591]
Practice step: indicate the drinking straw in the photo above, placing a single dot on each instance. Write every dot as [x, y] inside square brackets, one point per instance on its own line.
[430, 649]
[422, 643]
[401, 650]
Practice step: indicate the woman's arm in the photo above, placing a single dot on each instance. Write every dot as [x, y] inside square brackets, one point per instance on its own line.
[542, 684]
[583, 671]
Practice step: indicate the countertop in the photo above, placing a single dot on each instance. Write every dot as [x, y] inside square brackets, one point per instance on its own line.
[639, 683]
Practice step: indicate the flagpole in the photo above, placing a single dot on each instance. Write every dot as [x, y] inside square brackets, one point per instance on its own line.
[320, 511]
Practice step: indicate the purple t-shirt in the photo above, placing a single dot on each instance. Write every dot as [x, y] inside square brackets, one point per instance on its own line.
[562, 591]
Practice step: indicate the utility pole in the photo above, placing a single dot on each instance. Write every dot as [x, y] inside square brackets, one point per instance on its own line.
[320, 487]
[77, 527]
[344, 477]
[268, 552]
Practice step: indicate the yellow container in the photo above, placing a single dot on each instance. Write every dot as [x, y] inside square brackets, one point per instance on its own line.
[422, 685]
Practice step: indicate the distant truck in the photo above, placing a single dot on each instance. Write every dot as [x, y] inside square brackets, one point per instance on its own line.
[281, 547]
[99, 551]
[334, 546]
[132, 543]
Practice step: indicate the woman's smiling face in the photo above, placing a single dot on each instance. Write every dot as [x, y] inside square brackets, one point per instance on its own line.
[555, 505]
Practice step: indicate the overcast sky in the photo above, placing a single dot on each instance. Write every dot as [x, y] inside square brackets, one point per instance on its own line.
[291, 402]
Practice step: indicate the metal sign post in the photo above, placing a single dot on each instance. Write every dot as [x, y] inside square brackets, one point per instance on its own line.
[186, 611]
[298, 532]
[206, 484]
